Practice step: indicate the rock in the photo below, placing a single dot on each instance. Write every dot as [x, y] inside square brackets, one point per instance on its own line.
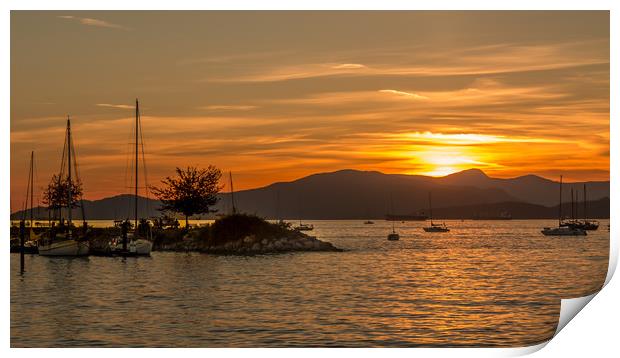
[264, 242]
[249, 239]
[256, 247]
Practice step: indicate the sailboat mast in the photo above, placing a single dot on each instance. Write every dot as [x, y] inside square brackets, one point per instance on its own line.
[135, 213]
[31, 185]
[585, 217]
[430, 207]
[572, 205]
[69, 194]
[232, 193]
[560, 208]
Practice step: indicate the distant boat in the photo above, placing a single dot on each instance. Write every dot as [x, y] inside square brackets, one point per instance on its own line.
[140, 241]
[412, 217]
[369, 222]
[434, 227]
[504, 215]
[393, 236]
[65, 243]
[584, 224]
[304, 227]
[562, 230]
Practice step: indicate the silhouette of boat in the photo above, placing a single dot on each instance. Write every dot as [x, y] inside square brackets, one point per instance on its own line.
[562, 230]
[504, 215]
[64, 243]
[140, 241]
[368, 222]
[393, 236]
[434, 227]
[412, 217]
[304, 227]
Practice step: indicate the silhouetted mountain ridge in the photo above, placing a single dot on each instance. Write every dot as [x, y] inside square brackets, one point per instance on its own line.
[354, 194]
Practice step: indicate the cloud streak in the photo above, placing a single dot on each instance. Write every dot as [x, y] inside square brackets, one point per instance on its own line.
[93, 22]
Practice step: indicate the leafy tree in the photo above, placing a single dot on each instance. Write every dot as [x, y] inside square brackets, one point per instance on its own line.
[55, 195]
[192, 191]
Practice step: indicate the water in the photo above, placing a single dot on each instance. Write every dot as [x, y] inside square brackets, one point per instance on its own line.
[486, 283]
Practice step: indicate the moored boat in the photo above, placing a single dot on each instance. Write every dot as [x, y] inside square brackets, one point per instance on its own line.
[61, 241]
[140, 241]
[434, 227]
[562, 229]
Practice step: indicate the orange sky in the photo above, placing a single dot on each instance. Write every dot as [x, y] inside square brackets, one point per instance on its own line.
[274, 96]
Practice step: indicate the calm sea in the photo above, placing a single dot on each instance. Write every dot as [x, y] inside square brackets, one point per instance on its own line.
[486, 283]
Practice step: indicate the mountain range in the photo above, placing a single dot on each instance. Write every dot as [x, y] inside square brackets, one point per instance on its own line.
[354, 194]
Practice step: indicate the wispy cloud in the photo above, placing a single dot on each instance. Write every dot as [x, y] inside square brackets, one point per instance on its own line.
[120, 106]
[403, 93]
[93, 22]
[348, 66]
[228, 107]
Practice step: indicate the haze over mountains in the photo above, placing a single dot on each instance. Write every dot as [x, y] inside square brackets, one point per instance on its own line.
[353, 194]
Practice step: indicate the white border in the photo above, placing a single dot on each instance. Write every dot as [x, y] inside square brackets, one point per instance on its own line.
[595, 325]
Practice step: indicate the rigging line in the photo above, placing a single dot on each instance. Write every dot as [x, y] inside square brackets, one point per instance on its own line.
[25, 207]
[77, 177]
[146, 189]
[128, 167]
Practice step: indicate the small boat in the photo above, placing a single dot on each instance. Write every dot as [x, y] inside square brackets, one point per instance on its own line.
[434, 227]
[368, 222]
[30, 245]
[304, 227]
[140, 241]
[393, 236]
[63, 243]
[563, 229]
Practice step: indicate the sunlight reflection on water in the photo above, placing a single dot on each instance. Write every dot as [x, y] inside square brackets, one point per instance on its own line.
[485, 283]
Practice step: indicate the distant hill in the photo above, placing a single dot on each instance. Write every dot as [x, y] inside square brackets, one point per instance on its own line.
[353, 194]
[596, 209]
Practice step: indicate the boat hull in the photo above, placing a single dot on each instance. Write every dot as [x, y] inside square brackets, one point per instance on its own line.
[563, 231]
[65, 248]
[138, 247]
[393, 237]
[436, 229]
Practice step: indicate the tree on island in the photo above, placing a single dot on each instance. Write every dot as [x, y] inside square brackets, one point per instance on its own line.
[192, 191]
[55, 195]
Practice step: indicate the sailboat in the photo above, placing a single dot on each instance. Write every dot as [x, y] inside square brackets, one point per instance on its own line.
[30, 246]
[587, 224]
[64, 243]
[584, 224]
[434, 227]
[562, 230]
[393, 236]
[302, 226]
[140, 241]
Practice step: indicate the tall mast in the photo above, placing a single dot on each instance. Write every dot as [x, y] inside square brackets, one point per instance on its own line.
[430, 207]
[576, 204]
[585, 217]
[69, 194]
[31, 185]
[560, 208]
[232, 193]
[572, 204]
[136, 170]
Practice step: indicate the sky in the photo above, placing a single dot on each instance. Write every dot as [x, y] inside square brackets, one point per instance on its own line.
[277, 95]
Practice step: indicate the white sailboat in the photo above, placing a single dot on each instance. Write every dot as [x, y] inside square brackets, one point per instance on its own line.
[140, 241]
[434, 227]
[65, 243]
[562, 230]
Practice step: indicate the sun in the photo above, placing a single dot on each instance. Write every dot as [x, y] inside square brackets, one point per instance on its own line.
[441, 171]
